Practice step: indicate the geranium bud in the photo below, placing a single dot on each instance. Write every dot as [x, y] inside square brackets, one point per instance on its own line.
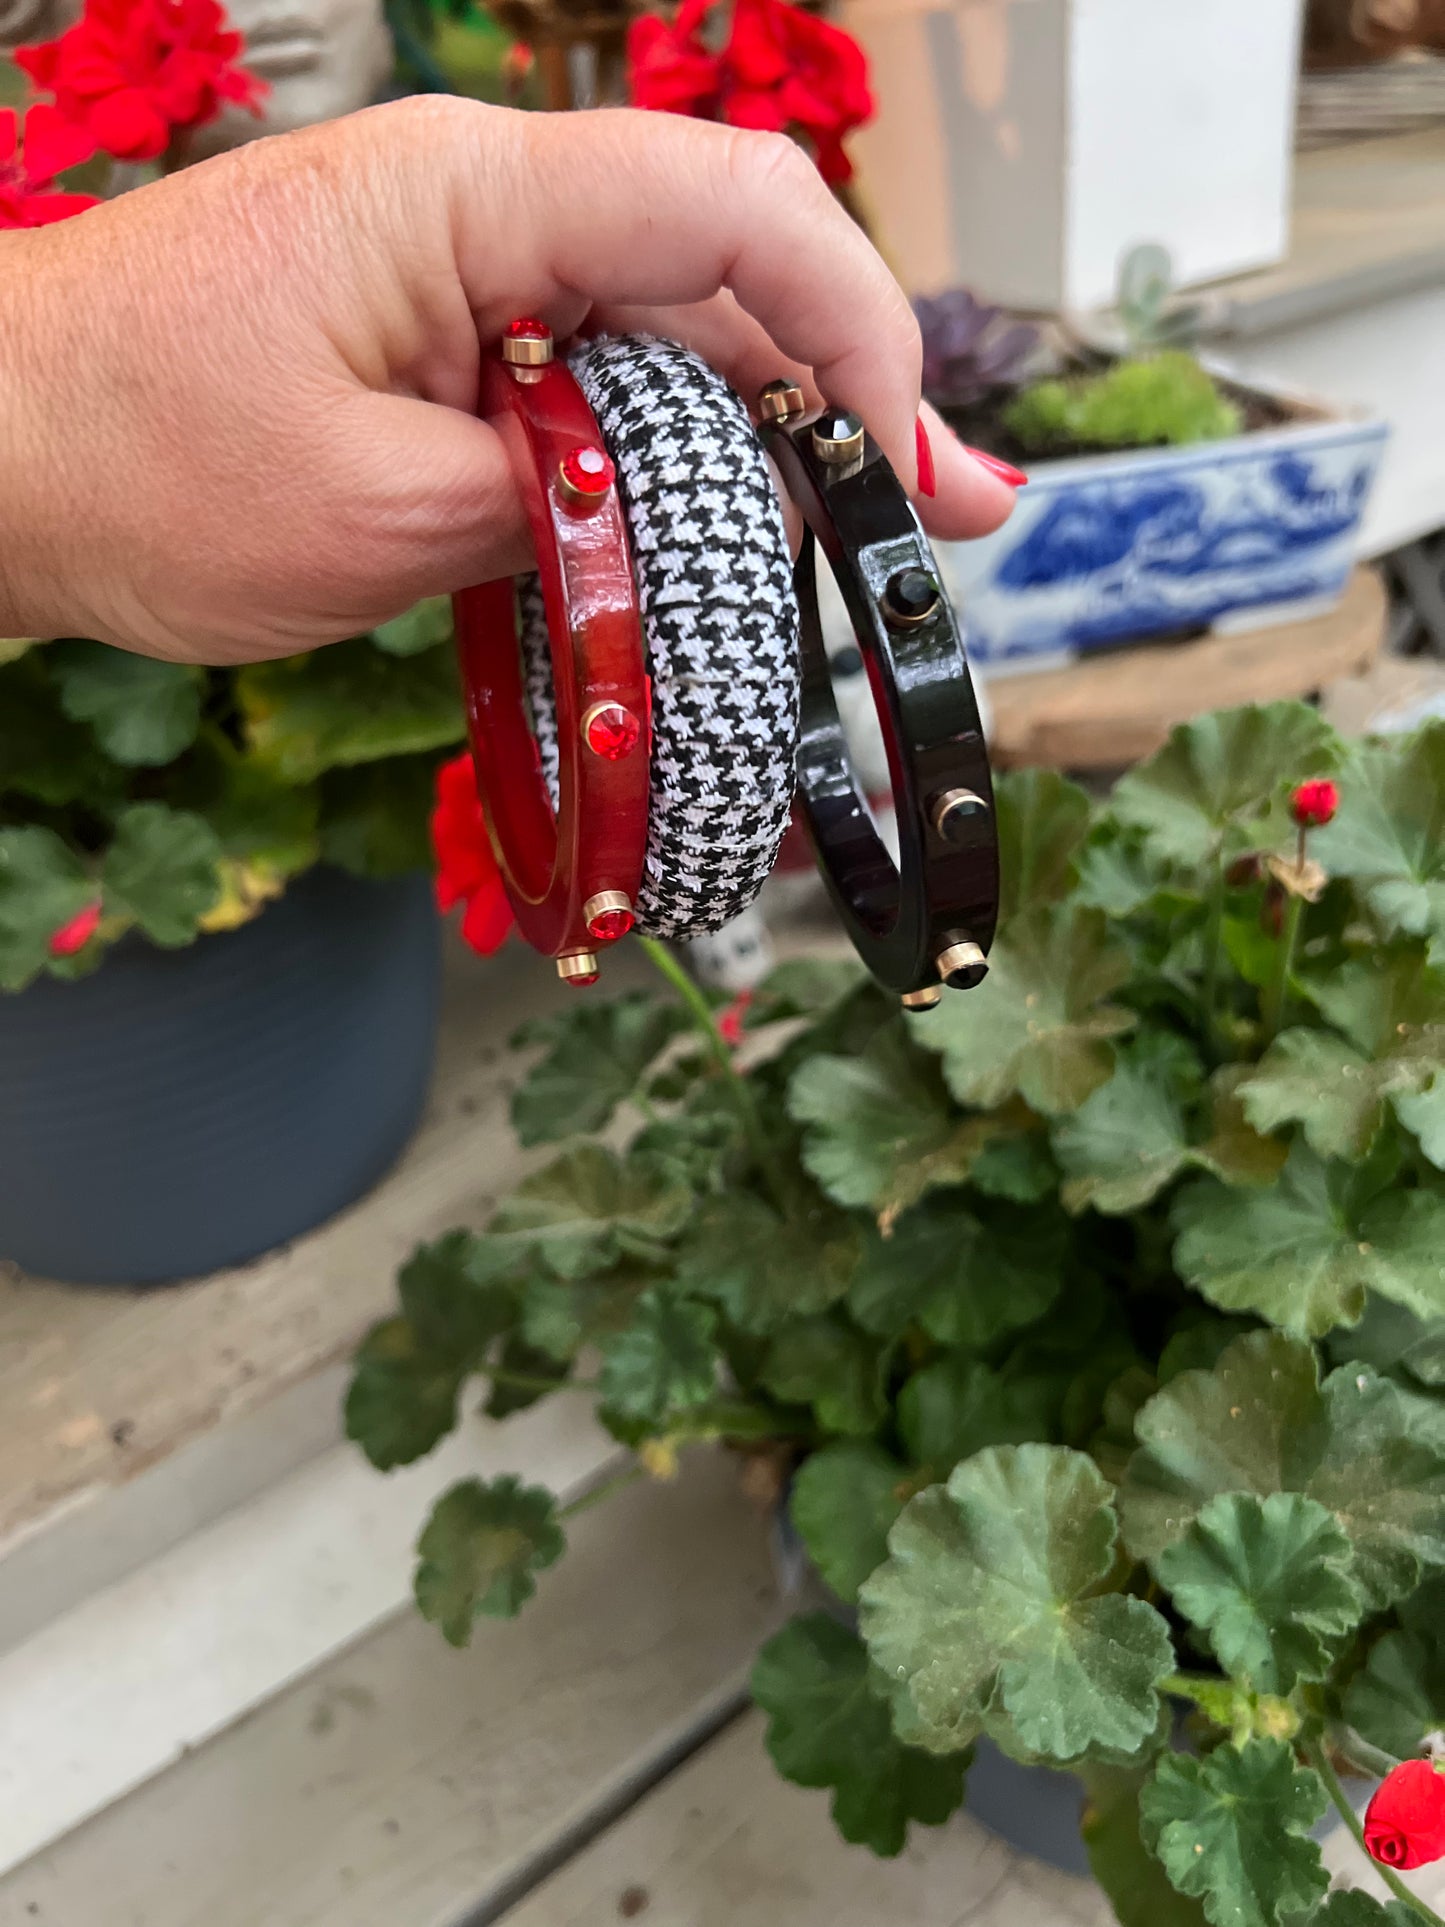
[1243, 870]
[1271, 910]
[77, 932]
[1313, 805]
[1405, 1821]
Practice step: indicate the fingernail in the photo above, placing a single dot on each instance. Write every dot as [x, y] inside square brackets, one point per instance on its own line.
[927, 477]
[1005, 471]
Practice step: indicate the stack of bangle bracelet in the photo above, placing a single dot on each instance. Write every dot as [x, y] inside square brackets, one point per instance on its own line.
[564, 749]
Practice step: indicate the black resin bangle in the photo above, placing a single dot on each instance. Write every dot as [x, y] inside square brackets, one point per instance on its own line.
[928, 920]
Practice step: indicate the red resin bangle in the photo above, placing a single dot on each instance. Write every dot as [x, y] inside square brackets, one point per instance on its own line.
[572, 877]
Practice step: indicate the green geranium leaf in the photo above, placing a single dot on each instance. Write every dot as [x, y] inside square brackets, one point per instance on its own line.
[1261, 1422]
[967, 1273]
[42, 886]
[843, 1502]
[1354, 1909]
[374, 818]
[1139, 1890]
[1019, 1167]
[351, 703]
[597, 1057]
[162, 870]
[1040, 1025]
[664, 1362]
[43, 754]
[804, 987]
[542, 1374]
[1119, 874]
[453, 1298]
[1391, 1007]
[589, 1208]
[1232, 1831]
[1129, 1139]
[481, 1552]
[561, 1315]
[1304, 1253]
[258, 818]
[1397, 1699]
[1042, 820]
[403, 1396]
[1389, 835]
[958, 1406]
[143, 712]
[829, 1727]
[764, 1270]
[1310, 1078]
[879, 1129]
[1269, 1581]
[425, 625]
[1221, 774]
[1234, 1149]
[826, 1363]
[993, 1609]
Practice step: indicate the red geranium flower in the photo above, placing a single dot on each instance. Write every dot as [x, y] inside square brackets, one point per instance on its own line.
[1313, 805]
[466, 869]
[731, 1019]
[77, 933]
[27, 173]
[132, 71]
[781, 69]
[1405, 1822]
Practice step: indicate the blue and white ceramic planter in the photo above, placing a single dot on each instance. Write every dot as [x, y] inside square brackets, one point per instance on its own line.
[1112, 548]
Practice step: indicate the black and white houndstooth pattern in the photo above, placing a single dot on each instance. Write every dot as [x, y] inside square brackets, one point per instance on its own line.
[720, 622]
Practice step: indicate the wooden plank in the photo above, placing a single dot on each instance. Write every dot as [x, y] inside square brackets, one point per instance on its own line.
[724, 1843]
[1106, 711]
[96, 1386]
[407, 1785]
[118, 1688]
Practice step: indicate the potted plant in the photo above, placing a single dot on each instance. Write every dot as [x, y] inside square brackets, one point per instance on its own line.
[1162, 495]
[169, 1105]
[1091, 1324]
[217, 940]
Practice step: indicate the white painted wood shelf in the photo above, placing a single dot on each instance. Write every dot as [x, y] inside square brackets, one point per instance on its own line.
[218, 1708]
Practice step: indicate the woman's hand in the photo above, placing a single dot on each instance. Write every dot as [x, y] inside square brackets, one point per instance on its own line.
[235, 406]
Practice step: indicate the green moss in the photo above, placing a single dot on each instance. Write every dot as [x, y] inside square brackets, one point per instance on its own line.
[1161, 399]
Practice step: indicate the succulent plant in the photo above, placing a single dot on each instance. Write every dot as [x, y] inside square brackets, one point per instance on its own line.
[1162, 399]
[1151, 317]
[970, 348]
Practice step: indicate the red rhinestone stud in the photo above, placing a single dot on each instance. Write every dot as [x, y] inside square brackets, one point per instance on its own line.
[527, 344]
[608, 915]
[578, 969]
[611, 731]
[585, 475]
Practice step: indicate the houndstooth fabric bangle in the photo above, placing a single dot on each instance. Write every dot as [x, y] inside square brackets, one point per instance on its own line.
[720, 622]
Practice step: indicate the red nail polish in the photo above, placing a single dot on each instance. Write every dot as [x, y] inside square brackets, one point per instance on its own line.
[927, 478]
[1005, 471]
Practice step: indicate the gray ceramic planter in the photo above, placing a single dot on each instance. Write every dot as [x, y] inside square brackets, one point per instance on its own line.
[184, 1110]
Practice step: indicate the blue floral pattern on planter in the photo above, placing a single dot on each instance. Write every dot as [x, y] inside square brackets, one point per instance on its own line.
[1119, 547]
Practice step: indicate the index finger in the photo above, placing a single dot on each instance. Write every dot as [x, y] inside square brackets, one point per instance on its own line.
[650, 209]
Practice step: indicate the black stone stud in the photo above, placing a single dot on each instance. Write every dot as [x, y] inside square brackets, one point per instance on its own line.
[961, 965]
[837, 436]
[953, 811]
[911, 597]
[780, 400]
